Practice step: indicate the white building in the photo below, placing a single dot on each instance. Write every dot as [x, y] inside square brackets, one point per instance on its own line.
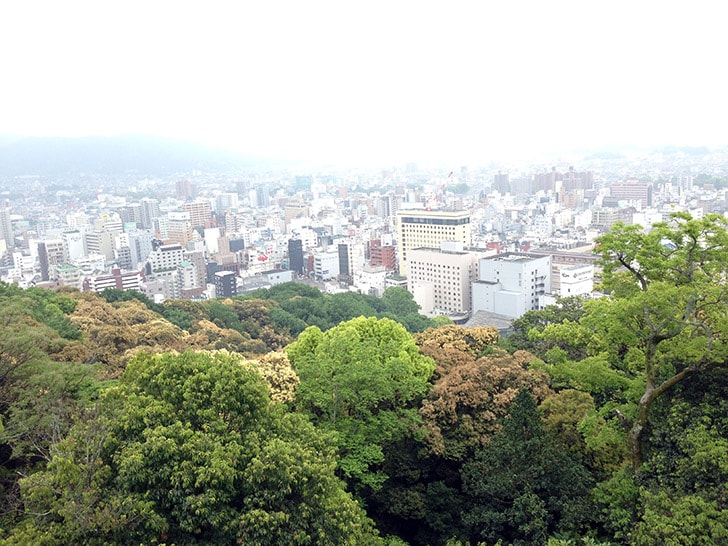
[74, 244]
[440, 279]
[370, 279]
[511, 284]
[326, 265]
[576, 280]
[166, 258]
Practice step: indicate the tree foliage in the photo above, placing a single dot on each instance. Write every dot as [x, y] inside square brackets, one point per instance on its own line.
[667, 306]
[189, 449]
[523, 486]
[362, 379]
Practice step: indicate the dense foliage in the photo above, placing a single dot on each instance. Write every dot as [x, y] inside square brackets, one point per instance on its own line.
[290, 416]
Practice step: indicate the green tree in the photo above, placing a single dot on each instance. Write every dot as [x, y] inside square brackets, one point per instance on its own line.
[666, 312]
[398, 302]
[189, 449]
[524, 486]
[364, 380]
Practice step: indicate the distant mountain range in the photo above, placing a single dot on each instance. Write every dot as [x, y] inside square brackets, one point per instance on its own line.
[51, 156]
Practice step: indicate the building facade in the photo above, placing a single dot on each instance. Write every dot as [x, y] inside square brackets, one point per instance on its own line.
[512, 283]
[417, 228]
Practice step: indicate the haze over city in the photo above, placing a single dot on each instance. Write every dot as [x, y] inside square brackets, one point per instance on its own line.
[368, 82]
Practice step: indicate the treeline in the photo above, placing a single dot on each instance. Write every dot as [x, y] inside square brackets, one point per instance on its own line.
[596, 422]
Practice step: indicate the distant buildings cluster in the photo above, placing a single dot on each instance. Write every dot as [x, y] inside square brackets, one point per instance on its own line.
[509, 244]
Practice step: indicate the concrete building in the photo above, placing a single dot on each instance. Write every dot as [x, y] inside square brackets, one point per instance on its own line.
[326, 265]
[150, 212]
[574, 280]
[512, 283]
[123, 280]
[51, 252]
[440, 279]
[295, 256]
[68, 275]
[6, 229]
[633, 190]
[371, 279]
[75, 244]
[417, 228]
[166, 258]
[200, 212]
[179, 228]
[381, 254]
[295, 210]
[100, 242]
[225, 284]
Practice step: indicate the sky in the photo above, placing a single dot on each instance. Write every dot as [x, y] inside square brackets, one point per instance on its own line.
[357, 81]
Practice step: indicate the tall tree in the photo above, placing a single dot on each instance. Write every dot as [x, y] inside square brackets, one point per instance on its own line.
[666, 312]
[364, 380]
[523, 485]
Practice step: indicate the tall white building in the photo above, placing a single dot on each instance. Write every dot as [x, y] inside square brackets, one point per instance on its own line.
[6, 228]
[512, 283]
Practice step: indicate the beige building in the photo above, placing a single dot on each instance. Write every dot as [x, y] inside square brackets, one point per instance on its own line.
[440, 279]
[429, 228]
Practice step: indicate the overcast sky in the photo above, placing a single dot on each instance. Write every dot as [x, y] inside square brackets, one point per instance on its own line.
[394, 80]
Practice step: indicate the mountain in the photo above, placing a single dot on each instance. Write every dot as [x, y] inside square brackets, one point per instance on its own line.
[146, 155]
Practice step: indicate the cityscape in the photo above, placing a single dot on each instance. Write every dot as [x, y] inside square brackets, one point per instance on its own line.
[478, 245]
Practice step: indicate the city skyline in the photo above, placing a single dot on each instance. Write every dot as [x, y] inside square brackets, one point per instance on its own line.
[326, 81]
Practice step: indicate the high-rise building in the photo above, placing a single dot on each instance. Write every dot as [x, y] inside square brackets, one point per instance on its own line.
[418, 228]
[633, 190]
[140, 243]
[50, 253]
[185, 190]
[502, 183]
[100, 242]
[295, 210]
[200, 212]
[75, 244]
[179, 228]
[6, 228]
[166, 258]
[225, 202]
[295, 256]
[150, 212]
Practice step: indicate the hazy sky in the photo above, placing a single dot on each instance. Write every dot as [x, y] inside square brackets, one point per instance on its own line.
[468, 81]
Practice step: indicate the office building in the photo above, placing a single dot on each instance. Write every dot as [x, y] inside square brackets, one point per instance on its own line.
[633, 190]
[295, 256]
[440, 279]
[225, 284]
[122, 280]
[512, 283]
[178, 228]
[417, 228]
[50, 253]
